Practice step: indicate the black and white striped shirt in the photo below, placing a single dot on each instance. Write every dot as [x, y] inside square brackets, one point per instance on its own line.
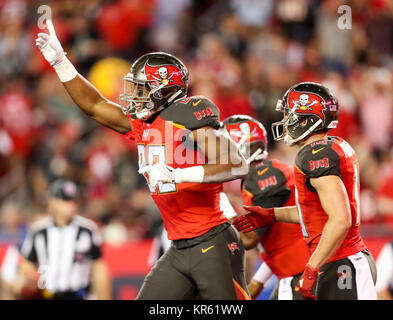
[64, 255]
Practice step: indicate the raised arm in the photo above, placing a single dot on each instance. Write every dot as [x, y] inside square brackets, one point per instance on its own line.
[96, 106]
[82, 92]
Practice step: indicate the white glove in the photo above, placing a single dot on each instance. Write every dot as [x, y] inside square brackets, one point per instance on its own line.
[157, 173]
[50, 46]
[53, 53]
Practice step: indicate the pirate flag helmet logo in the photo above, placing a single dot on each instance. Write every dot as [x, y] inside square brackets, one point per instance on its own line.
[249, 134]
[307, 107]
[153, 83]
[167, 75]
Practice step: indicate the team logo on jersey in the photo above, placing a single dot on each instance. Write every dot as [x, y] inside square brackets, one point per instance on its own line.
[307, 103]
[233, 247]
[167, 74]
[321, 163]
[270, 181]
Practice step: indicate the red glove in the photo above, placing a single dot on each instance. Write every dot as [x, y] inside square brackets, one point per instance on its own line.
[307, 281]
[257, 217]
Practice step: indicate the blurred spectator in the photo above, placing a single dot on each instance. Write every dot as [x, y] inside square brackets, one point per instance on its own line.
[347, 118]
[121, 23]
[15, 43]
[384, 192]
[252, 12]
[376, 107]
[13, 227]
[241, 54]
[336, 51]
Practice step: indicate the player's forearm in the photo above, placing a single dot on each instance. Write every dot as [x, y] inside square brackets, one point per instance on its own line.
[249, 240]
[224, 159]
[84, 94]
[287, 214]
[209, 173]
[333, 235]
[224, 172]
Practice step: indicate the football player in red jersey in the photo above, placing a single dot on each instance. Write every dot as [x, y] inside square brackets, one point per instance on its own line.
[327, 198]
[269, 184]
[184, 158]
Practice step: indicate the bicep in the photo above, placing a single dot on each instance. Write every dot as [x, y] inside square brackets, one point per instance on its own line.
[333, 196]
[96, 106]
[110, 115]
[215, 145]
[207, 141]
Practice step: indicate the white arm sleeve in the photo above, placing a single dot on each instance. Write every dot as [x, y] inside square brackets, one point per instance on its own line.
[226, 206]
[263, 274]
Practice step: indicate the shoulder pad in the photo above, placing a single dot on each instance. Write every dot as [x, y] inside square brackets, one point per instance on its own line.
[193, 113]
[318, 159]
[268, 184]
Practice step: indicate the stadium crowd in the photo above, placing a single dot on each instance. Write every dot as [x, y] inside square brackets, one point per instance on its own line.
[241, 54]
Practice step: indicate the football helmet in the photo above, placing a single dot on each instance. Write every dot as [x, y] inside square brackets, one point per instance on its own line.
[249, 134]
[155, 80]
[307, 107]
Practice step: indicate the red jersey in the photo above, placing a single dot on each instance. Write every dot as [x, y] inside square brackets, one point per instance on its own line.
[188, 210]
[271, 184]
[331, 156]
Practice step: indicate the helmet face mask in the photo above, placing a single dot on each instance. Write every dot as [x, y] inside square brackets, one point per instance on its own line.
[135, 101]
[307, 107]
[154, 82]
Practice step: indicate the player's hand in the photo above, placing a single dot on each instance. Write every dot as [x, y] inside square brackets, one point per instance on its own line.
[157, 173]
[257, 217]
[50, 46]
[307, 281]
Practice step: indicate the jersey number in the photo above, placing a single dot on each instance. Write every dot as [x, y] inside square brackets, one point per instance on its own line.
[154, 155]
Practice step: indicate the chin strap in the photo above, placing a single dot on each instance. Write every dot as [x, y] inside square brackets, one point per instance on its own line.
[146, 114]
[290, 141]
[257, 156]
[174, 96]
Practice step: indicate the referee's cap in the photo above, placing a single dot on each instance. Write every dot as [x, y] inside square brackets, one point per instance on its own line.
[63, 189]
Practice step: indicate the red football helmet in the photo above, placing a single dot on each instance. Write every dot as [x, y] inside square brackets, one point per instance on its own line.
[249, 134]
[154, 82]
[307, 107]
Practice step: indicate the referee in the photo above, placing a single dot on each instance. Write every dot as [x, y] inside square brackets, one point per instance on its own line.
[64, 251]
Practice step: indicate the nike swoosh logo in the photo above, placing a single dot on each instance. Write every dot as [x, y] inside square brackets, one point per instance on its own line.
[261, 172]
[207, 249]
[320, 272]
[316, 151]
[196, 103]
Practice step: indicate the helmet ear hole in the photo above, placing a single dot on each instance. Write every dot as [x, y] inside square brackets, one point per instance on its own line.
[304, 122]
